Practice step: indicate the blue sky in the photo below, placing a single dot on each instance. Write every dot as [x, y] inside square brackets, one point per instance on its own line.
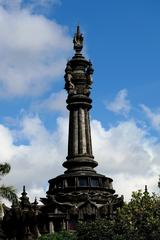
[122, 40]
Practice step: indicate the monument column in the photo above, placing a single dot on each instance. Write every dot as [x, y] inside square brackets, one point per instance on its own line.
[78, 82]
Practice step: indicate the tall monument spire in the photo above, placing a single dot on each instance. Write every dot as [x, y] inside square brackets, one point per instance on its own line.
[78, 80]
[80, 193]
[78, 41]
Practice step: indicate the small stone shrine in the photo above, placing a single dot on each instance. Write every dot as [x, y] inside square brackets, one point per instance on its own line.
[80, 194]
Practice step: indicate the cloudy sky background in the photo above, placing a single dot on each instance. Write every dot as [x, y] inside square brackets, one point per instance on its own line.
[122, 40]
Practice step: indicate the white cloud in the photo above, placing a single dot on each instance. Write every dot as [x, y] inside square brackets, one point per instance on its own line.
[126, 153]
[120, 104]
[35, 163]
[126, 147]
[154, 117]
[33, 50]
[55, 102]
[126, 184]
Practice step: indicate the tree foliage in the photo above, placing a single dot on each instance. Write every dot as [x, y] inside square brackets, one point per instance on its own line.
[7, 192]
[4, 168]
[138, 219]
[64, 235]
[101, 229]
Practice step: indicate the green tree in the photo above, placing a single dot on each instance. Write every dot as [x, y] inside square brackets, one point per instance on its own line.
[138, 219]
[7, 192]
[64, 235]
[101, 229]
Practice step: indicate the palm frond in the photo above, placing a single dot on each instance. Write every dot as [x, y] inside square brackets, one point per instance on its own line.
[4, 168]
[8, 193]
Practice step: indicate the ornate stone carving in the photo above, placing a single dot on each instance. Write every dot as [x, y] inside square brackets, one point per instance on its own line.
[89, 73]
[69, 86]
[78, 41]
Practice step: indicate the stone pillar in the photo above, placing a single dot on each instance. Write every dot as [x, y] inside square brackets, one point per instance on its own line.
[37, 231]
[79, 141]
[78, 82]
[64, 225]
[81, 131]
[88, 133]
[51, 227]
[1, 211]
[67, 225]
[73, 133]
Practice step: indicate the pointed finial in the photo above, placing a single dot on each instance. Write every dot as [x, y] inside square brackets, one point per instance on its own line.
[35, 202]
[24, 199]
[78, 41]
[78, 30]
[24, 189]
[146, 189]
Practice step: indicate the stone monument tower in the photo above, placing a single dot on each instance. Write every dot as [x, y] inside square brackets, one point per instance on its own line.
[80, 193]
